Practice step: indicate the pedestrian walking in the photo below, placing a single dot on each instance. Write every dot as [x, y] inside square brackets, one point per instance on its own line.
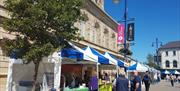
[172, 80]
[93, 83]
[147, 81]
[136, 82]
[155, 77]
[159, 77]
[178, 79]
[121, 83]
[167, 77]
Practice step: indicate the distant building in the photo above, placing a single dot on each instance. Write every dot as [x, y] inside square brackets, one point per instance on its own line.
[170, 56]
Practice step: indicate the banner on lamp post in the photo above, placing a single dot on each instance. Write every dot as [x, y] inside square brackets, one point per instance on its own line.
[130, 32]
[120, 39]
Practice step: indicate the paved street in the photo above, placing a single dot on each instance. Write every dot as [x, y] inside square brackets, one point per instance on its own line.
[164, 86]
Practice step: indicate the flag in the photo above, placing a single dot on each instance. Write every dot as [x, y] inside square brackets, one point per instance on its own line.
[120, 39]
[130, 32]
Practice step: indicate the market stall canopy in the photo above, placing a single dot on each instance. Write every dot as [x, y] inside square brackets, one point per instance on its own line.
[86, 55]
[132, 62]
[149, 68]
[101, 58]
[114, 60]
[165, 72]
[138, 67]
[71, 54]
[175, 72]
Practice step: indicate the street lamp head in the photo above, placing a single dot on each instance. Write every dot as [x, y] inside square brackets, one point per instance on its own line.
[116, 1]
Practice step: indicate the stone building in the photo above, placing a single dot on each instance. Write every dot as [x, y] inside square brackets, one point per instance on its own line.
[4, 60]
[170, 56]
[99, 32]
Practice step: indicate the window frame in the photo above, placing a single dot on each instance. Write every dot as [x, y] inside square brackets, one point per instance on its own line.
[174, 53]
[175, 63]
[167, 63]
[167, 53]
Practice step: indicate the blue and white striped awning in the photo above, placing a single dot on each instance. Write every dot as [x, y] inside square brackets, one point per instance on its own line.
[81, 54]
[90, 54]
[175, 72]
[114, 60]
[138, 67]
[101, 58]
[71, 54]
[165, 72]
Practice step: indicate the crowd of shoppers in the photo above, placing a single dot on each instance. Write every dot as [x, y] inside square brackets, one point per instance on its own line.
[120, 83]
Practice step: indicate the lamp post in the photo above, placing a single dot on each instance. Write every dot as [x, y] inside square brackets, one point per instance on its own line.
[156, 45]
[125, 23]
[125, 20]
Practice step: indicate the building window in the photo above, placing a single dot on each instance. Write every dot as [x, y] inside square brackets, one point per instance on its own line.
[82, 28]
[94, 36]
[174, 53]
[175, 63]
[167, 63]
[166, 53]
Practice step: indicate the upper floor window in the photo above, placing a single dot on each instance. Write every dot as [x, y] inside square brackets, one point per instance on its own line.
[175, 63]
[166, 53]
[174, 53]
[167, 63]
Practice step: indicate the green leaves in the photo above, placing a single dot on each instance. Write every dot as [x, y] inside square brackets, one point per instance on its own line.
[150, 60]
[43, 25]
[19, 46]
[37, 51]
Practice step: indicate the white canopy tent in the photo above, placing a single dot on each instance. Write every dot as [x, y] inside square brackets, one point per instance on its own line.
[166, 72]
[137, 67]
[17, 71]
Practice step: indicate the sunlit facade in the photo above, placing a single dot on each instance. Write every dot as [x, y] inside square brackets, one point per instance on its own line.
[99, 32]
[170, 56]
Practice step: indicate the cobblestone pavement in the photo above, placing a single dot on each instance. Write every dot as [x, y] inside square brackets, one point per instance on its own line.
[163, 86]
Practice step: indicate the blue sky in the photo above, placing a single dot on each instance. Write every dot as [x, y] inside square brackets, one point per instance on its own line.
[153, 19]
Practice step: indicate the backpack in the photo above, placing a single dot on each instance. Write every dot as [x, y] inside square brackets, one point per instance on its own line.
[146, 78]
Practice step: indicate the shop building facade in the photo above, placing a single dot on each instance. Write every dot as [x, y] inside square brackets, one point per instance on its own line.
[4, 60]
[170, 56]
[99, 32]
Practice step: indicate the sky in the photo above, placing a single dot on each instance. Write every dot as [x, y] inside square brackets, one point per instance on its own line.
[153, 19]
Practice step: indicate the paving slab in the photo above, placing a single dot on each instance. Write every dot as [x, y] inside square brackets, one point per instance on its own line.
[164, 86]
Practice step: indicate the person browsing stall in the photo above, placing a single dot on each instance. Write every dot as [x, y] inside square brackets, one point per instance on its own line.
[136, 82]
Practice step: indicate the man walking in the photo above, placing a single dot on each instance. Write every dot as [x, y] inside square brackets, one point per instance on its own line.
[147, 80]
[136, 82]
[121, 83]
[172, 80]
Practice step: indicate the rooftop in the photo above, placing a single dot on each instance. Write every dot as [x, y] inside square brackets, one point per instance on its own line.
[173, 44]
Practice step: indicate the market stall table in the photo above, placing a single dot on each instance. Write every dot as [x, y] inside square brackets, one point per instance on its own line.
[105, 87]
[76, 89]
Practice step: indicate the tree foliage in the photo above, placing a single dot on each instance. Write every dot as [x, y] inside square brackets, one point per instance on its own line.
[42, 26]
[150, 61]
